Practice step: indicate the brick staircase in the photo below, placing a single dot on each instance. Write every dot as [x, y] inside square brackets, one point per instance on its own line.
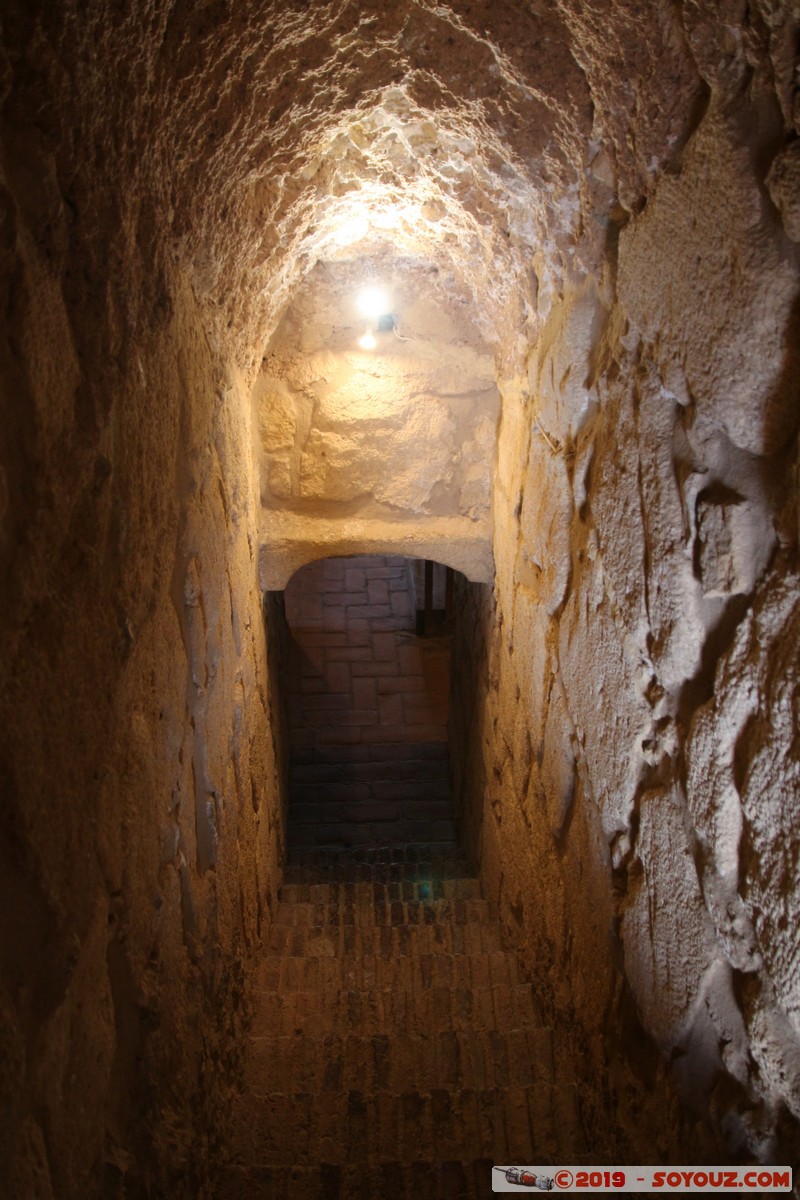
[367, 703]
[395, 1050]
[371, 794]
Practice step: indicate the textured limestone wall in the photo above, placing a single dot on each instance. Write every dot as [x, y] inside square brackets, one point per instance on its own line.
[638, 686]
[389, 446]
[612, 189]
[405, 429]
[140, 809]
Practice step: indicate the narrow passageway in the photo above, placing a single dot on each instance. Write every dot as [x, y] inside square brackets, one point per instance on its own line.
[368, 708]
[293, 291]
[397, 1049]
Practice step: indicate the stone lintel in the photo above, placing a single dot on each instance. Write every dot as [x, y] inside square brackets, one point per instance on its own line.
[289, 542]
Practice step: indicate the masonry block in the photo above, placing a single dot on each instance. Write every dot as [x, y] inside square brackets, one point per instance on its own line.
[337, 676]
[334, 618]
[390, 708]
[355, 579]
[378, 592]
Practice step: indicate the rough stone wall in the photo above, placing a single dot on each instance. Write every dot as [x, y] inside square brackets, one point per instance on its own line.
[402, 431]
[615, 188]
[140, 807]
[388, 447]
[638, 699]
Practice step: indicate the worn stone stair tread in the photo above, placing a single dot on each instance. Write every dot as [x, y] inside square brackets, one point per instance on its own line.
[410, 851]
[364, 872]
[366, 911]
[315, 865]
[383, 752]
[403, 852]
[395, 827]
[379, 899]
[368, 892]
[472, 1060]
[291, 972]
[383, 940]
[370, 770]
[284, 1128]
[438, 1010]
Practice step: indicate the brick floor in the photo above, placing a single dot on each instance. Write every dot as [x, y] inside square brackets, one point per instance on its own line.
[396, 1050]
[360, 679]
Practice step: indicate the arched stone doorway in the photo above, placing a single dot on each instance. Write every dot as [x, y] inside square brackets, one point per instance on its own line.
[368, 702]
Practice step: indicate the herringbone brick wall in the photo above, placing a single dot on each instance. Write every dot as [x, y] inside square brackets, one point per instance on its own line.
[368, 704]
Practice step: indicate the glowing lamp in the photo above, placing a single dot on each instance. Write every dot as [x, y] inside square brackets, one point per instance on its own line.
[372, 303]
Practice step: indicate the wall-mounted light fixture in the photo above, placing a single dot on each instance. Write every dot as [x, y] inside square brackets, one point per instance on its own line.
[373, 303]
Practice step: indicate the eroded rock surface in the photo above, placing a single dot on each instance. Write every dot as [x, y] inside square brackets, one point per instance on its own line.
[642, 617]
[608, 195]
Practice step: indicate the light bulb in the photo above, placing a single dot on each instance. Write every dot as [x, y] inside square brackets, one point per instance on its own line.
[372, 303]
[367, 342]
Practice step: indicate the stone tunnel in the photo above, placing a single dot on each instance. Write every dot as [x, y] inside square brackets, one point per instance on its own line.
[313, 882]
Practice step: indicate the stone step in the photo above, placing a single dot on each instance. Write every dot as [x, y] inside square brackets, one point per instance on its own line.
[401, 1061]
[302, 973]
[345, 795]
[379, 892]
[352, 871]
[371, 770]
[367, 911]
[289, 1128]
[317, 1013]
[381, 854]
[394, 753]
[384, 941]
[387, 1181]
[316, 831]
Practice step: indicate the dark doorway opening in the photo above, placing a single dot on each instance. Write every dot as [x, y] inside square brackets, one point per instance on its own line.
[368, 702]
[433, 587]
